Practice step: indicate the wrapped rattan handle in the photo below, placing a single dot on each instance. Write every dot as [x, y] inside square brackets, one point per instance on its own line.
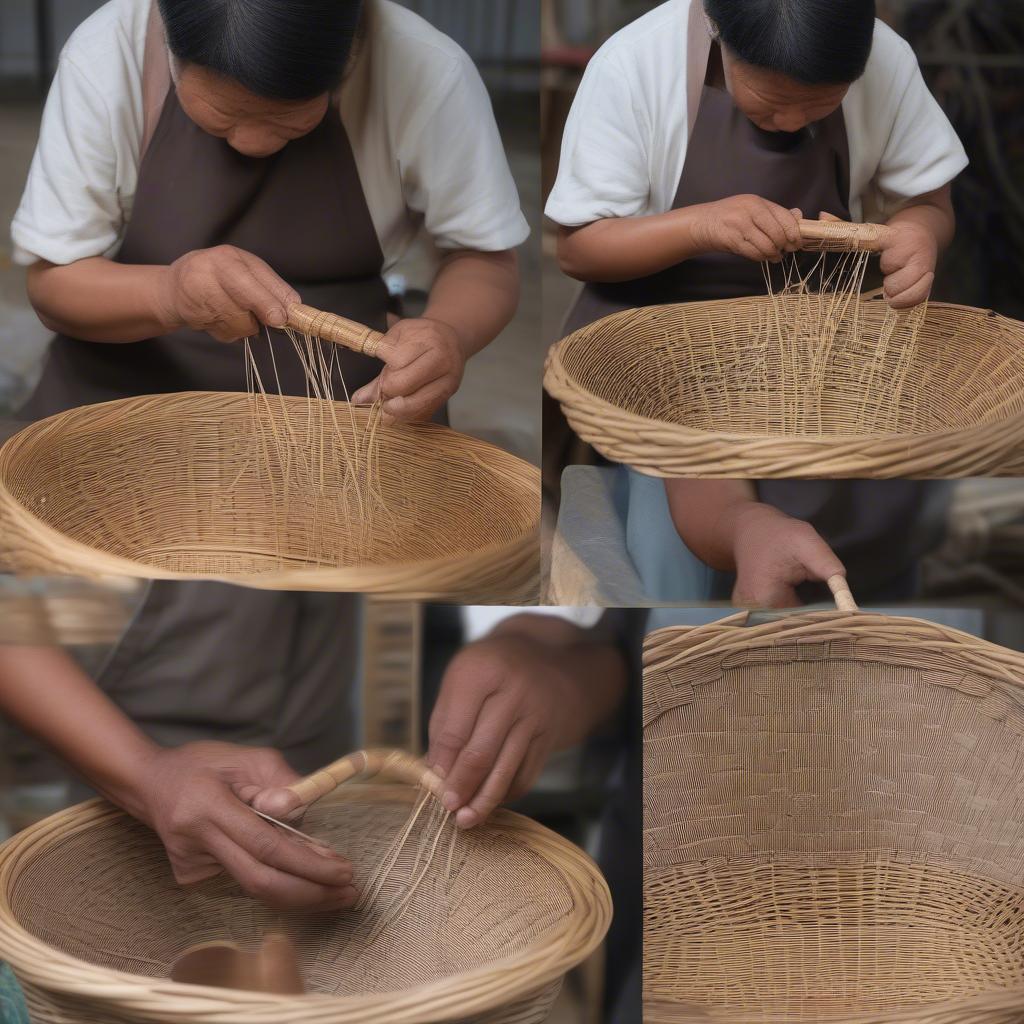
[841, 592]
[392, 764]
[331, 327]
[842, 236]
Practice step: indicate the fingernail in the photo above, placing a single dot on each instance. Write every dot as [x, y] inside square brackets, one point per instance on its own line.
[467, 818]
[451, 800]
[277, 318]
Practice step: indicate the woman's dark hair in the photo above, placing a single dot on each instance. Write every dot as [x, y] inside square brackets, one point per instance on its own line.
[279, 49]
[814, 41]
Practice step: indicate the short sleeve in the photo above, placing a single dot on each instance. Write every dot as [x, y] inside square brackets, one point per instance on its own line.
[454, 169]
[70, 209]
[604, 168]
[923, 151]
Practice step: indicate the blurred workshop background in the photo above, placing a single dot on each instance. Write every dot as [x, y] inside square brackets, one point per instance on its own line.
[972, 55]
[500, 398]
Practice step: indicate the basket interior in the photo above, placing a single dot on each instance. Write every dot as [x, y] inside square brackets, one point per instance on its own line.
[106, 895]
[199, 484]
[827, 837]
[720, 367]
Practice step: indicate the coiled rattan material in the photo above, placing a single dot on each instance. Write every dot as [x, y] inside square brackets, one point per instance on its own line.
[184, 487]
[91, 920]
[834, 824]
[703, 389]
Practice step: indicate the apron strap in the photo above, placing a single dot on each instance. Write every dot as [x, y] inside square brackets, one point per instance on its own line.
[698, 43]
[156, 76]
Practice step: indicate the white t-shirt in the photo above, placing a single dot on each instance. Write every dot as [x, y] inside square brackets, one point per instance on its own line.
[417, 115]
[625, 140]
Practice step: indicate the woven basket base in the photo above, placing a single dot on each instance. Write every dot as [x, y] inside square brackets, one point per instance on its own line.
[792, 942]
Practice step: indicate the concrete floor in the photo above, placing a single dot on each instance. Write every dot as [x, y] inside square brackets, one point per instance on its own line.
[500, 396]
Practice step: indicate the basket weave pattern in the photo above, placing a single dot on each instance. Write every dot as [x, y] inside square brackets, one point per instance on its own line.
[91, 920]
[701, 389]
[834, 824]
[180, 487]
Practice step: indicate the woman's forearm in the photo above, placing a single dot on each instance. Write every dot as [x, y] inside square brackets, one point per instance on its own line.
[476, 294]
[44, 691]
[98, 300]
[705, 516]
[625, 248]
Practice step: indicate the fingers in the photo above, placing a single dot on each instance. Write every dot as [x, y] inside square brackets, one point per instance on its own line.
[422, 404]
[813, 555]
[368, 393]
[454, 719]
[275, 888]
[479, 754]
[274, 848]
[278, 802]
[768, 593]
[909, 288]
[499, 780]
[245, 289]
[285, 294]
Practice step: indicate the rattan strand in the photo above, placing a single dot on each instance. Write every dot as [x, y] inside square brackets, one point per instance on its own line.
[834, 824]
[183, 487]
[91, 920]
[702, 389]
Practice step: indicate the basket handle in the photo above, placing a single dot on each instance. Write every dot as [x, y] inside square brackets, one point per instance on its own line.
[842, 236]
[392, 764]
[331, 327]
[841, 592]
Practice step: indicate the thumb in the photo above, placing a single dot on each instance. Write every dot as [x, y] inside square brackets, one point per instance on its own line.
[819, 561]
[825, 215]
[368, 393]
[279, 803]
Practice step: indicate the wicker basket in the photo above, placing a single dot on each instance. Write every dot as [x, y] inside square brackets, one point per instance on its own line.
[91, 921]
[834, 824]
[694, 390]
[178, 487]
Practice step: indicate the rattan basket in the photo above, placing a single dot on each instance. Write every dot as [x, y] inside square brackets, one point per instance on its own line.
[834, 823]
[179, 487]
[91, 920]
[694, 390]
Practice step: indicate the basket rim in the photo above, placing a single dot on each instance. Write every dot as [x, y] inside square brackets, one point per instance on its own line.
[588, 414]
[405, 578]
[478, 990]
[662, 649]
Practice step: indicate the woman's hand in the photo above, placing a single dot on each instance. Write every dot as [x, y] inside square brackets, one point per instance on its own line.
[224, 291]
[196, 798]
[504, 706]
[424, 363]
[774, 553]
[909, 253]
[747, 226]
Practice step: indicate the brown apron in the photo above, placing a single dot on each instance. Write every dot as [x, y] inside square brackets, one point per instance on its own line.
[876, 527]
[206, 660]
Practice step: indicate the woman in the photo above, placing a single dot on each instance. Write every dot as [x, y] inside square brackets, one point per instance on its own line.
[201, 165]
[700, 135]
